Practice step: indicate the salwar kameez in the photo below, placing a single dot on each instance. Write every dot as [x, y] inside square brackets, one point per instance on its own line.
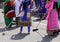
[52, 18]
[6, 10]
[25, 20]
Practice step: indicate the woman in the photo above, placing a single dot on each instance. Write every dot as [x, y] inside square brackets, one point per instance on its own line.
[25, 20]
[42, 9]
[8, 7]
[17, 6]
[52, 18]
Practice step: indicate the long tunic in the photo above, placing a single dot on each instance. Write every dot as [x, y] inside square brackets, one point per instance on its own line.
[52, 18]
[26, 10]
[25, 19]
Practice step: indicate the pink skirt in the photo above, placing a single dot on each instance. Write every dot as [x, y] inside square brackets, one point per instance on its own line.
[52, 20]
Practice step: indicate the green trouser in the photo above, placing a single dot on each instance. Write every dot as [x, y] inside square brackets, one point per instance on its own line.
[58, 3]
[8, 21]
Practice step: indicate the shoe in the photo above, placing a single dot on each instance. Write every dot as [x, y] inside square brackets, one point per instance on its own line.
[28, 32]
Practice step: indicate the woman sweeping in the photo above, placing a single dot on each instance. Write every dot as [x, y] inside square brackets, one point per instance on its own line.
[52, 18]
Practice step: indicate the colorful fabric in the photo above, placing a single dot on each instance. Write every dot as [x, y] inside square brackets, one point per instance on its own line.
[7, 3]
[58, 3]
[52, 18]
[8, 21]
[24, 19]
[6, 9]
[10, 14]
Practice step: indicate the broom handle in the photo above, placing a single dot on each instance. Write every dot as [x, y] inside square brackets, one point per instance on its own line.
[41, 19]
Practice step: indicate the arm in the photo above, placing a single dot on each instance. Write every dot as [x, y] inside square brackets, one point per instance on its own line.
[49, 6]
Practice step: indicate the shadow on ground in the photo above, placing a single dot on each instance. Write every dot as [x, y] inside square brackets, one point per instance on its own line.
[47, 38]
[12, 28]
[7, 29]
[19, 36]
[2, 29]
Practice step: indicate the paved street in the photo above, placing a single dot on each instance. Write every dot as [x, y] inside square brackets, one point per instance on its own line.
[14, 36]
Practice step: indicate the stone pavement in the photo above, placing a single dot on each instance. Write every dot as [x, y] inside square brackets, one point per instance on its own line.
[15, 36]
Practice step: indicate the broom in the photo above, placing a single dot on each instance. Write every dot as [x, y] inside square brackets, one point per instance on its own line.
[39, 23]
[7, 27]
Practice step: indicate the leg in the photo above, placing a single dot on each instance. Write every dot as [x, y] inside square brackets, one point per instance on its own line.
[28, 29]
[53, 33]
[17, 21]
[43, 16]
[50, 33]
[21, 29]
[40, 16]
